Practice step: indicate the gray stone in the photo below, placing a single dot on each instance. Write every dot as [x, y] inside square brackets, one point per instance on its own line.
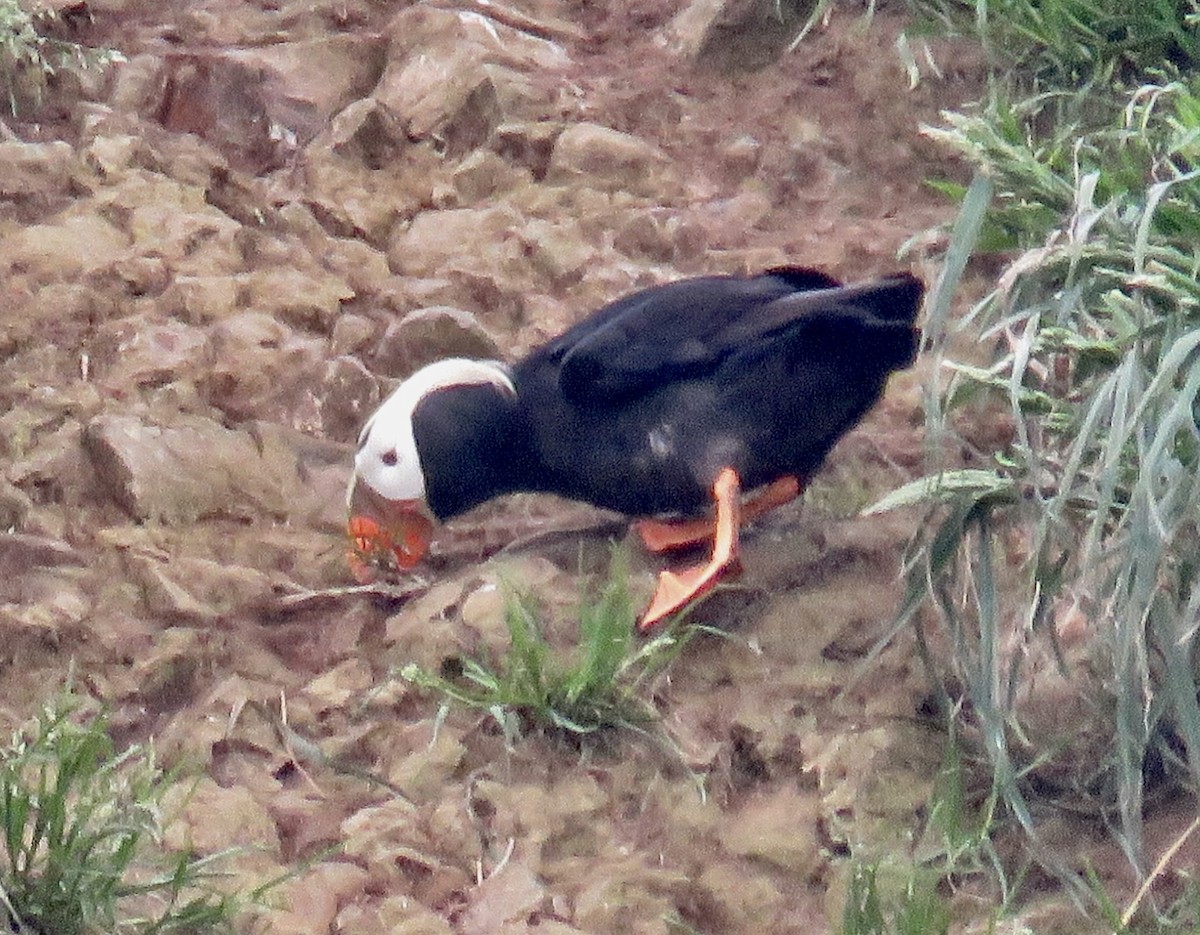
[528, 143]
[430, 334]
[178, 474]
[454, 75]
[485, 174]
[36, 169]
[482, 237]
[368, 132]
[559, 251]
[736, 34]
[349, 393]
[351, 333]
[609, 160]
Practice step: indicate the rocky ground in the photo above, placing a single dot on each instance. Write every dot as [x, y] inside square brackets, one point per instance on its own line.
[217, 256]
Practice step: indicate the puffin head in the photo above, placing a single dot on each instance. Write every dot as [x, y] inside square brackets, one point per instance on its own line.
[388, 483]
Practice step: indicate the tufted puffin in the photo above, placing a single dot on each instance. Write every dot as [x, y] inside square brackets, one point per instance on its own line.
[655, 406]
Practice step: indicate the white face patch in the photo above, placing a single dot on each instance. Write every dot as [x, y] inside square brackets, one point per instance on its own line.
[387, 460]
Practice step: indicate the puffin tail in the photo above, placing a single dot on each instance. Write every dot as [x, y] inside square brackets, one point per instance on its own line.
[893, 306]
[895, 298]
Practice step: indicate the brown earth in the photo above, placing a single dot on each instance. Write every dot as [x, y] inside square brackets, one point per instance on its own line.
[219, 255]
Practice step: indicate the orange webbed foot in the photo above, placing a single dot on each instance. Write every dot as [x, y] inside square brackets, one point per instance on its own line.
[659, 535]
[678, 589]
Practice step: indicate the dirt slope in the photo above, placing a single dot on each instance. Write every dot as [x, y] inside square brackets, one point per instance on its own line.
[216, 257]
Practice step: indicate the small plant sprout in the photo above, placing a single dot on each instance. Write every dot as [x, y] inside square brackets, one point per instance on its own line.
[80, 824]
[598, 688]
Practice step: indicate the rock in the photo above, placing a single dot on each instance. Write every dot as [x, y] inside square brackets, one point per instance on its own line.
[742, 154]
[528, 143]
[735, 34]
[607, 159]
[322, 466]
[166, 675]
[661, 237]
[303, 298]
[135, 353]
[199, 590]
[201, 299]
[133, 277]
[780, 829]
[485, 174]
[349, 393]
[417, 30]
[350, 334]
[63, 251]
[367, 131]
[187, 471]
[500, 306]
[165, 598]
[335, 688]
[171, 220]
[558, 251]
[139, 84]
[305, 83]
[352, 200]
[220, 100]
[15, 505]
[453, 76]
[511, 894]
[483, 238]
[255, 365]
[313, 897]
[41, 171]
[430, 334]
[112, 154]
[735, 899]
[644, 236]
[20, 553]
[390, 915]
[42, 607]
[213, 819]
[54, 468]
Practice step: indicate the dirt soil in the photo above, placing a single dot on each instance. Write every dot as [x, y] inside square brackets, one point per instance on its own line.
[214, 260]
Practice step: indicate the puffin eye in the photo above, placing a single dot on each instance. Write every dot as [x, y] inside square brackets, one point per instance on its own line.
[389, 457]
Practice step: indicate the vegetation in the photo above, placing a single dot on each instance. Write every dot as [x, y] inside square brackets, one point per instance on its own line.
[1064, 44]
[27, 50]
[1087, 155]
[600, 688]
[79, 824]
[917, 909]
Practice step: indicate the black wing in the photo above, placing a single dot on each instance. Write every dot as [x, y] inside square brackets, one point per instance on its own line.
[685, 329]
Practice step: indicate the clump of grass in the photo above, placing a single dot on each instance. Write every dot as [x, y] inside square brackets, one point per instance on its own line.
[79, 821]
[1095, 328]
[1067, 43]
[916, 909]
[26, 49]
[598, 688]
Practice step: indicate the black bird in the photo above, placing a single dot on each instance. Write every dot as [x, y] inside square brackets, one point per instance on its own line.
[652, 406]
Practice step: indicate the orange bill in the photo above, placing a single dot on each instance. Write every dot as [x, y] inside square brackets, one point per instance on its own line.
[403, 534]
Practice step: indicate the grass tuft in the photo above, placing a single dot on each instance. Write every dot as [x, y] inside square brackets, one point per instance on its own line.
[915, 909]
[598, 688]
[27, 50]
[1069, 43]
[1082, 532]
[79, 823]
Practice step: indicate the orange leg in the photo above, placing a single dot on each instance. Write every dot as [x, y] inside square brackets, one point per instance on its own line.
[665, 536]
[677, 590]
